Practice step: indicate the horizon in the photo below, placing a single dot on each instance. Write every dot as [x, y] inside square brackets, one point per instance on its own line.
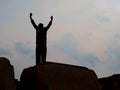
[84, 33]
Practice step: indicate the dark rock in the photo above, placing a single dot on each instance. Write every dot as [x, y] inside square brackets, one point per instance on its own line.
[7, 81]
[28, 79]
[17, 84]
[54, 76]
[110, 83]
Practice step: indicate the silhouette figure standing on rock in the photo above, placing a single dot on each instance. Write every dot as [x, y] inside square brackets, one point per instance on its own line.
[41, 40]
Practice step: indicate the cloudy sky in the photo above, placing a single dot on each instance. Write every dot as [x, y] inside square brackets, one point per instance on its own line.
[84, 33]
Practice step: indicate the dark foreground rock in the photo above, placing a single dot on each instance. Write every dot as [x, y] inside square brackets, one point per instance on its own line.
[7, 80]
[54, 76]
[110, 83]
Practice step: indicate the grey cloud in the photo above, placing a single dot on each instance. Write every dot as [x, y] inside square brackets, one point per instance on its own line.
[113, 53]
[116, 53]
[69, 45]
[5, 52]
[103, 19]
[117, 36]
[91, 58]
[114, 49]
[24, 49]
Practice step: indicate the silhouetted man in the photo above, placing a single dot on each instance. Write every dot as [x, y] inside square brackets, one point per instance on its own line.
[41, 40]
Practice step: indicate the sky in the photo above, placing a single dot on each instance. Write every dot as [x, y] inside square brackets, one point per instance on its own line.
[84, 33]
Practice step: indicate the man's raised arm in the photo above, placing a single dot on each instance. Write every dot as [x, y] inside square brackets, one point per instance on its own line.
[50, 23]
[32, 21]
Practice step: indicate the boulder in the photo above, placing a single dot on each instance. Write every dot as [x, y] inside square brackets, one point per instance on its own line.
[56, 76]
[7, 80]
[111, 82]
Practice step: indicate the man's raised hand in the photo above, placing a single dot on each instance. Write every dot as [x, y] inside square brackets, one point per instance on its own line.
[51, 17]
[30, 14]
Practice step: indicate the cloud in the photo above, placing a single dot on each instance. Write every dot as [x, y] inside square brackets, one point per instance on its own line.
[69, 46]
[5, 52]
[113, 54]
[24, 49]
[91, 58]
[103, 19]
[117, 36]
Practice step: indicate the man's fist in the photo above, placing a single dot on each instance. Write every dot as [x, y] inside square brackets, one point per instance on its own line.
[51, 17]
[30, 14]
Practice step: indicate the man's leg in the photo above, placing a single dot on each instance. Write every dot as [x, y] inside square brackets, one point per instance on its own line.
[44, 54]
[37, 54]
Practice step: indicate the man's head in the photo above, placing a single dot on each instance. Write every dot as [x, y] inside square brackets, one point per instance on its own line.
[40, 25]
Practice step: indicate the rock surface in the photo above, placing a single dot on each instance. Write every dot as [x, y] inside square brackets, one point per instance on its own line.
[7, 80]
[110, 83]
[54, 76]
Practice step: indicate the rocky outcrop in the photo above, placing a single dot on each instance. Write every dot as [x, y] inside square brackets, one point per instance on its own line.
[54, 76]
[7, 81]
[110, 83]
